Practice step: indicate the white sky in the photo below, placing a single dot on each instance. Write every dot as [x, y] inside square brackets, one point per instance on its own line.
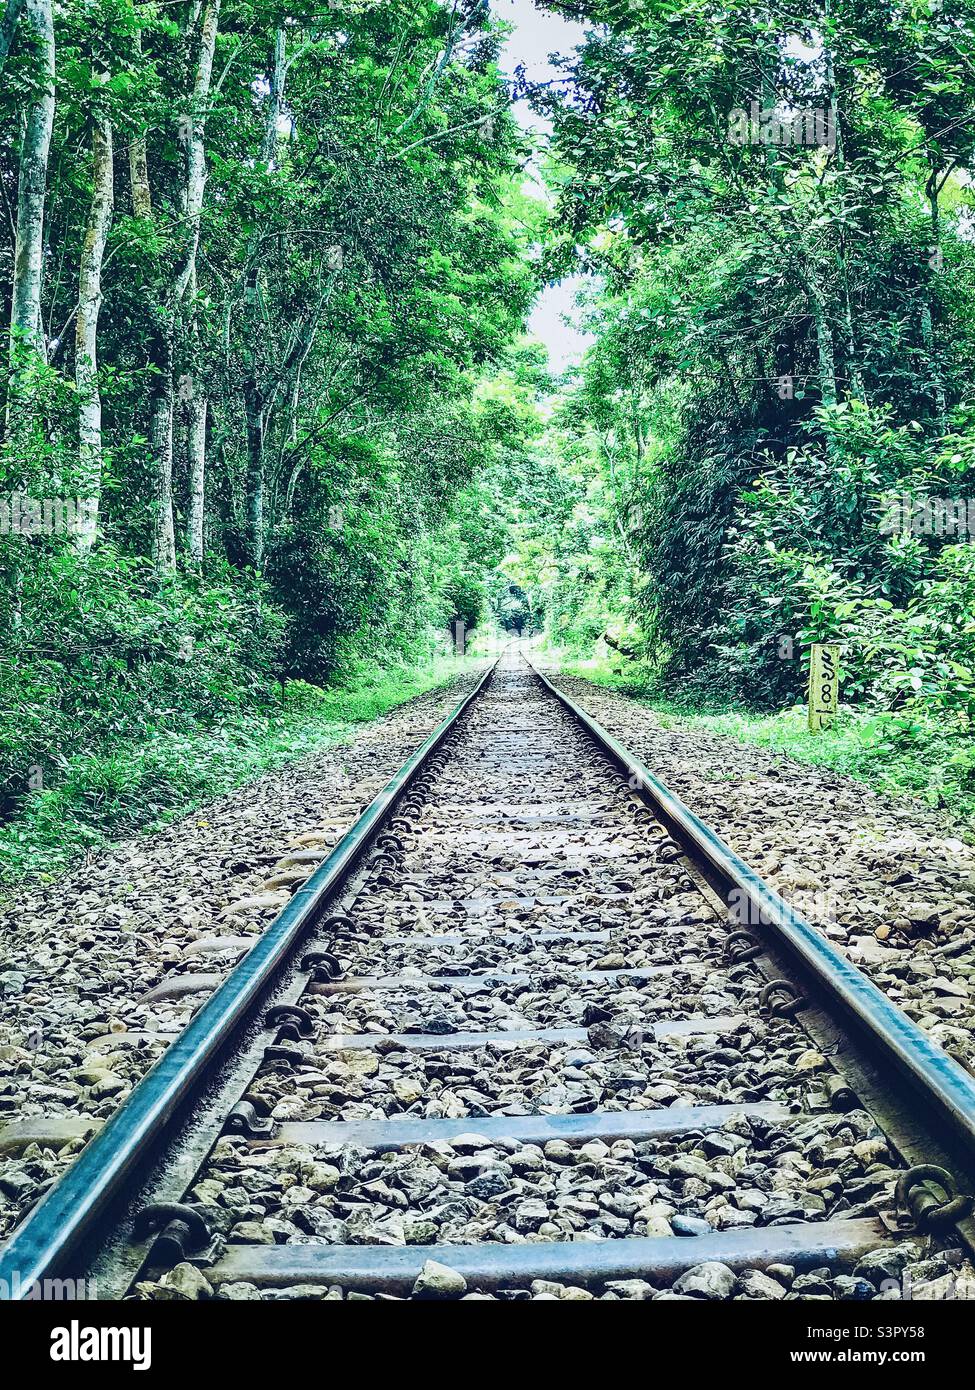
[538, 33]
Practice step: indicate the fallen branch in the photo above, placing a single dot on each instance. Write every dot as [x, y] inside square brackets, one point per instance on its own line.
[618, 647]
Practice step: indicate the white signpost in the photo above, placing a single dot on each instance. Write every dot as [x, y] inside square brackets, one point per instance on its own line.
[824, 684]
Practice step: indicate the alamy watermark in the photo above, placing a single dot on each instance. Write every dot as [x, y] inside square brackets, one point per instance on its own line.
[21, 515]
[812, 127]
[907, 515]
[47, 1290]
[953, 1285]
[76, 1342]
[745, 911]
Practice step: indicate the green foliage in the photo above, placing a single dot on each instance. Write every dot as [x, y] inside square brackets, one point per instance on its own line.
[784, 351]
[108, 650]
[783, 362]
[464, 596]
[352, 288]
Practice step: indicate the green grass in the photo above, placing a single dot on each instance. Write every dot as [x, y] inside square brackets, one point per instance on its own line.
[897, 755]
[141, 785]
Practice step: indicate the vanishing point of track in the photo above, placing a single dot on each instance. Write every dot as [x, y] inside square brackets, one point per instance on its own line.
[529, 1020]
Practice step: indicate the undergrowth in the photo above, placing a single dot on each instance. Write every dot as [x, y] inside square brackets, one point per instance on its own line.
[140, 784]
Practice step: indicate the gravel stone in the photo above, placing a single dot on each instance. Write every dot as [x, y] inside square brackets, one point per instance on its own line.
[185, 1281]
[752, 1283]
[439, 1281]
[710, 1280]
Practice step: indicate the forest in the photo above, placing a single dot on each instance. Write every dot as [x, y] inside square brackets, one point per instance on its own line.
[277, 443]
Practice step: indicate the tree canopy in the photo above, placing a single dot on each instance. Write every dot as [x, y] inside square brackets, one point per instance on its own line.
[269, 410]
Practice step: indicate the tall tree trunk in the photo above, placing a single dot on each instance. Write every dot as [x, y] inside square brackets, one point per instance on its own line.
[254, 402]
[289, 496]
[196, 403]
[196, 438]
[193, 140]
[139, 164]
[162, 421]
[8, 27]
[139, 177]
[825, 350]
[929, 301]
[254, 413]
[86, 331]
[279, 72]
[161, 431]
[25, 315]
[193, 418]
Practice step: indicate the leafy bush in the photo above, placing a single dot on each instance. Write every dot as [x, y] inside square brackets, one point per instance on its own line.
[103, 653]
[811, 558]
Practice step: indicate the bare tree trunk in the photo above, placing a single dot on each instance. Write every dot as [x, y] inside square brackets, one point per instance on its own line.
[162, 422]
[86, 331]
[161, 443]
[25, 314]
[254, 412]
[279, 72]
[193, 420]
[254, 402]
[196, 172]
[196, 403]
[295, 364]
[139, 164]
[161, 431]
[196, 439]
[139, 177]
[289, 496]
[929, 302]
[8, 27]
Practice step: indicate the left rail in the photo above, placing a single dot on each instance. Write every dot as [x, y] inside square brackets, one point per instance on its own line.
[111, 1165]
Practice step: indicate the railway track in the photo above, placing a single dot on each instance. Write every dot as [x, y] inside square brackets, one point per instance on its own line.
[529, 1030]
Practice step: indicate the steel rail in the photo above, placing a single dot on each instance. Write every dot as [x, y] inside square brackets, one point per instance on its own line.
[57, 1226]
[937, 1078]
